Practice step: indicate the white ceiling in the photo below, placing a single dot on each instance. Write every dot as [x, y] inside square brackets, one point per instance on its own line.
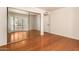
[50, 8]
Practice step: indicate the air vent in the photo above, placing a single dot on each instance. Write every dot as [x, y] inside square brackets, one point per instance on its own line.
[46, 13]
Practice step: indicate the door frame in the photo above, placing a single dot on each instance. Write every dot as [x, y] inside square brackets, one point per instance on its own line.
[49, 24]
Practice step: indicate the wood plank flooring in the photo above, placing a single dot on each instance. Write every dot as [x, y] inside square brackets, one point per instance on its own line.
[48, 42]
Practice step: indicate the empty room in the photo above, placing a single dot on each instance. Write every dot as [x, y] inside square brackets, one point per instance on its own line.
[39, 28]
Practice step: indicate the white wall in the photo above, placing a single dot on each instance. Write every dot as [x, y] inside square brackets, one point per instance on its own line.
[3, 26]
[32, 22]
[65, 21]
[35, 22]
[38, 21]
[76, 23]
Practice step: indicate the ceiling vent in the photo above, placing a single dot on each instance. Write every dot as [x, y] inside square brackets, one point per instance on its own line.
[46, 13]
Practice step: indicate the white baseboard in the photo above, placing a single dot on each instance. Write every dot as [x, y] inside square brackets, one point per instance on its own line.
[72, 37]
[3, 44]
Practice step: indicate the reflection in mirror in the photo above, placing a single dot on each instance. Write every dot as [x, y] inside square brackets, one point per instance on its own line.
[17, 25]
[23, 25]
[34, 25]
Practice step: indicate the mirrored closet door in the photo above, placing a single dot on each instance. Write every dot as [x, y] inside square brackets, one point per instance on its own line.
[17, 25]
[22, 25]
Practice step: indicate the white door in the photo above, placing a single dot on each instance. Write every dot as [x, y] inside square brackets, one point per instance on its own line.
[47, 23]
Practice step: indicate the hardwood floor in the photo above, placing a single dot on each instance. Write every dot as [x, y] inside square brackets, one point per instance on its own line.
[48, 42]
